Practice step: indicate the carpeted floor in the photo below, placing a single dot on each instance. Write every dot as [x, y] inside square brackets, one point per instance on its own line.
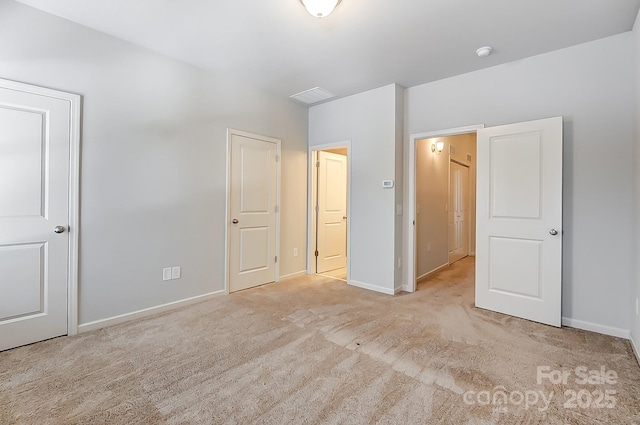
[313, 350]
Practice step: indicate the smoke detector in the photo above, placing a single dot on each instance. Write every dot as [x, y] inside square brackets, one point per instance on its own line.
[483, 52]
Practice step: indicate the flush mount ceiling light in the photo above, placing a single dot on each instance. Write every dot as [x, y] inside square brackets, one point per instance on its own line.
[320, 8]
[483, 52]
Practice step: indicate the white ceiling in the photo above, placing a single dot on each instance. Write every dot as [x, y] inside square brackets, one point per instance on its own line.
[364, 44]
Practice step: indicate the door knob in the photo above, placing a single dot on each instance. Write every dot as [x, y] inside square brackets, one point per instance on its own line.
[59, 229]
[235, 221]
[553, 232]
[344, 217]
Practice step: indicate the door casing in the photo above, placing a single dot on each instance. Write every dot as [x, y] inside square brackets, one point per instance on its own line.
[75, 105]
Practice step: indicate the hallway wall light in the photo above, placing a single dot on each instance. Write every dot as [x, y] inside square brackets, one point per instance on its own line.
[437, 147]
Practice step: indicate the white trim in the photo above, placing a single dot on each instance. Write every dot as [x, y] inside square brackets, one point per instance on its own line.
[311, 218]
[103, 323]
[635, 347]
[370, 287]
[75, 105]
[410, 203]
[595, 327]
[231, 132]
[292, 275]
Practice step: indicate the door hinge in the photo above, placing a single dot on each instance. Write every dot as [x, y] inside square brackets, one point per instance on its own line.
[316, 253]
[276, 259]
[276, 209]
[317, 208]
[318, 164]
[277, 158]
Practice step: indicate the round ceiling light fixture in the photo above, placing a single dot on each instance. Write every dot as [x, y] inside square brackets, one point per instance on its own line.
[485, 51]
[320, 8]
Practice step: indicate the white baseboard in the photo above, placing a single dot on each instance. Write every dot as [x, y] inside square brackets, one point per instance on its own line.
[296, 274]
[370, 287]
[432, 272]
[594, 327]
[635, 347]
[103, 323]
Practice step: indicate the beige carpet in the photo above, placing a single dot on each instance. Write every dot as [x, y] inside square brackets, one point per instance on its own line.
[336, 274]
[314, 350]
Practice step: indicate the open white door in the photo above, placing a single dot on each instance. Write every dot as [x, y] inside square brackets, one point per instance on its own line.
[35, 137]
[332, 211]
[253, 211]
[519, 220]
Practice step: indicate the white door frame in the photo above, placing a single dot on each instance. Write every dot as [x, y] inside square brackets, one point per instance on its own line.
[231, 132]
[75, 102]
[410, 218]
[311, 216]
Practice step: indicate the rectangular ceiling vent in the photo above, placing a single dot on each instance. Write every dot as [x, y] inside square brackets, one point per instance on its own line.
[311, 96]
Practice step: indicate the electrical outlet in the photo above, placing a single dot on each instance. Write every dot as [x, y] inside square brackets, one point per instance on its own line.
[399, 262]
[175, 272]
[166, 273]
[429, 247]
[295, 252]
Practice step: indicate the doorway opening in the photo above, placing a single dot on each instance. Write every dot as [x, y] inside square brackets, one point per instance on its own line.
[445, 202]
[329, 230]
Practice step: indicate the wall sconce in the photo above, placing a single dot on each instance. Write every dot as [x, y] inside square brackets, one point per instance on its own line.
[437, 147]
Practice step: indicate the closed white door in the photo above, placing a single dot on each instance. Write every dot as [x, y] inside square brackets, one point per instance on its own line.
[34, 201]
[332, 211]
[458, 212]
[519, 220]
[253, 207]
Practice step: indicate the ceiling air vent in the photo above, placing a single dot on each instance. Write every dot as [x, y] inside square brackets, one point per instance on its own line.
[311, 96]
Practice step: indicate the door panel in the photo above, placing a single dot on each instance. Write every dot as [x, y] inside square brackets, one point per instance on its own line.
[253, 200]
[332, 211]
[458, 212]
[34, 198]
[519, 259]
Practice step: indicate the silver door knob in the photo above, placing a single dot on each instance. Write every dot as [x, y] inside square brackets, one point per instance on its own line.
[235, 221]
[59, 229]
[553, 232]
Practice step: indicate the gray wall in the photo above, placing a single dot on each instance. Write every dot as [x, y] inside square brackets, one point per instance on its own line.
[635, 329]
[369, 120]
[153, 159]
[590, 86]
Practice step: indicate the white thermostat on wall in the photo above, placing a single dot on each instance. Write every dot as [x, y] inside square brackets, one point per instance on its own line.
[387, 184]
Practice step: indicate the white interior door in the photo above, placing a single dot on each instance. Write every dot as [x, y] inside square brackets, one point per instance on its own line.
[519, 220]
[458, 212]
[253, 211]
[332, 211]
[34, 199]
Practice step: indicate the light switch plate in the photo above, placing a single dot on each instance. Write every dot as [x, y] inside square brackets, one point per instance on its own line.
[166, 273]
[175, 272]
